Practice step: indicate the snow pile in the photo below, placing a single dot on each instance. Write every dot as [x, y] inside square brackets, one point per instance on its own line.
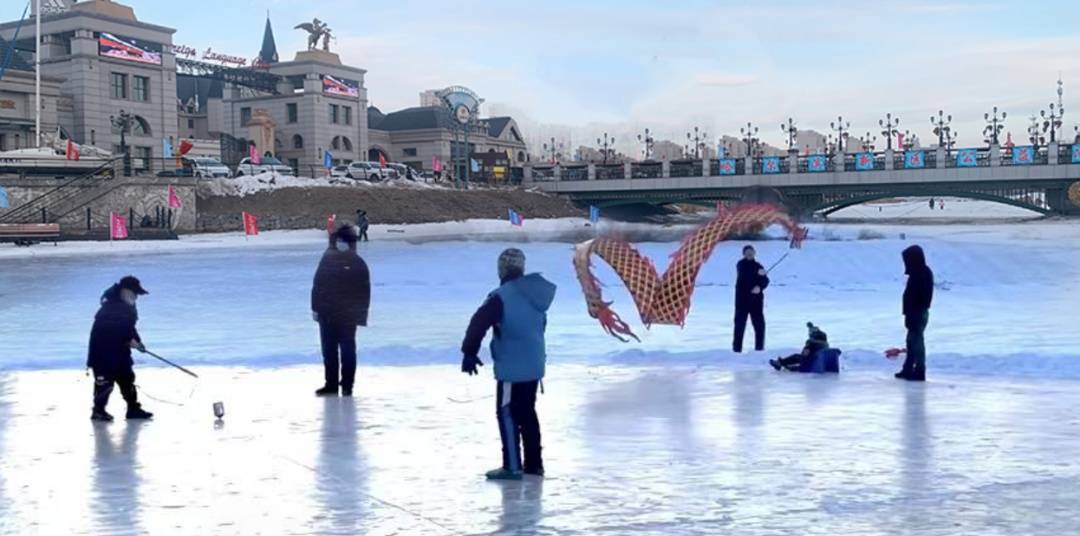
[264, 182]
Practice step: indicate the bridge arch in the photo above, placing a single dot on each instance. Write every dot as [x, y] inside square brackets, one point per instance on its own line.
[831, 206]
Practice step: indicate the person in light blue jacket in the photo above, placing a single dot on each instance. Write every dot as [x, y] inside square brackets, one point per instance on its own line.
[516, 313]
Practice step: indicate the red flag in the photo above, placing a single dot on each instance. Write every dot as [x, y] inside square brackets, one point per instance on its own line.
[382, 160]
[117, 227]
[174, 200]
[72, 152]
[185, 147]
[251, 224]
[330, 221]
[436, 164]
[253, 153]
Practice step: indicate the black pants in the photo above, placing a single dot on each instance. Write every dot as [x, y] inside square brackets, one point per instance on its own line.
[515, 409]
[915, 362]
[103, 387]
[363, 233]
[338, 347]
[792, 362]
[755, 309]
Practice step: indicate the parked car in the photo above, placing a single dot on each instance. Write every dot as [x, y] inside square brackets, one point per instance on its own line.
[339, 171]
[402, 171]
[268, 164]
[207, 168]
[366, 171]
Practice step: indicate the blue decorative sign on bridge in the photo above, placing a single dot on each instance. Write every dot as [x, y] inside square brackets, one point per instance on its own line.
[914, 159]
[816, 163]
[864, 161]
[727, 166]
[967, 158]
[770, 165]
[1023, 156]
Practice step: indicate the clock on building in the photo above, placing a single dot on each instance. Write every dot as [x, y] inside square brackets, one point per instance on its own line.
[462, 113]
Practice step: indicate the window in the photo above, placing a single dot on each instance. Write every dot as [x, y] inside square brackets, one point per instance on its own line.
[292, 112]
[139, 127]
[334, 112]
[410, 151]
[140, 88]
[191, 123]
[346, 144]
[348, 115]
[297, 83]
[143, 156]
[245, 116]
[297, 142]
[335, 143]
[119, 86]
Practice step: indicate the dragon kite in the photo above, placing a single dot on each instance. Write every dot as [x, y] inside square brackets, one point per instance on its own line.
[666, 299]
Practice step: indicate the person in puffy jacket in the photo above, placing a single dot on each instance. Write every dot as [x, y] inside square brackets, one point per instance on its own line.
[918, 295]
[750, 288]
[516, 313]
[111, 340]
[816, 341]
[340, 297]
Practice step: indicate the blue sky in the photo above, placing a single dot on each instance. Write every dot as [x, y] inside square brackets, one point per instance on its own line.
[592, 65]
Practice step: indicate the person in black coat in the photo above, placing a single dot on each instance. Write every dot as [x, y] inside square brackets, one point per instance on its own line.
[816, 341]
[340, 297]
[111, 340]
[362, 224]
[918, 295]
[750, 299]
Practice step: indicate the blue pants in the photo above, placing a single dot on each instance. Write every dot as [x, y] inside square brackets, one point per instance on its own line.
[515, 408]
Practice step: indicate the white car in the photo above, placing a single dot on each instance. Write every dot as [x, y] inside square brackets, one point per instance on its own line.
[339, 171]
[366, 171]
[207, 168]
[401, 170]
[267, 165]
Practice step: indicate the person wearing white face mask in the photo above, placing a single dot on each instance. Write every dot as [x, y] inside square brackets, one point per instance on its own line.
[111, 340]
[340, 296]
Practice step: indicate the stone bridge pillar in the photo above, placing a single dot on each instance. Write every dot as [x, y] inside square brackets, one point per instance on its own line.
[665, 169]
[940, 158]
[1052, 153]
[628, 169]
[592, 172]
[889, 160]
[995, 155]
[793, 161]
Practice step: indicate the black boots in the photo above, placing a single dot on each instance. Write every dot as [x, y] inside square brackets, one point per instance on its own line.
[911, 375]
[328, 390]
[136, 412]
[100, 415]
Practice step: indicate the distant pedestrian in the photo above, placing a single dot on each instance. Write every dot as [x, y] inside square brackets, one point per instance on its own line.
[918, 295]
[111, 340]
[941, 204]
[750, 288]
[931, 203]
[340, 297]
[516, 312]
[362, 224]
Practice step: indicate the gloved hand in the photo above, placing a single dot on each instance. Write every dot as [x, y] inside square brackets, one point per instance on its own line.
[138, 345]
[469, 364]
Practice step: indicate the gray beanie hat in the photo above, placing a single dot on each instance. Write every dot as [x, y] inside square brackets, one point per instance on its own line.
[511, 261]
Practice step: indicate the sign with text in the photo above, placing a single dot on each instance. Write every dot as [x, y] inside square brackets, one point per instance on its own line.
[1023, 155]
[128, 49]
[340, 86]
[770, 165]
[967, 158]
[817, 163]
[864, 161]
[914, 159]
[727, 166]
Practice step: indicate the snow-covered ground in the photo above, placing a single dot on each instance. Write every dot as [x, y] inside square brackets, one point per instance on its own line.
[674, 435]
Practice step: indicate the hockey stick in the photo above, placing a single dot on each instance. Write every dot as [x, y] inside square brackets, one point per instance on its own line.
[166, 361]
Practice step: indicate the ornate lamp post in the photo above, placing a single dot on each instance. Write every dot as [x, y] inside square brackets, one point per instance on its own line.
[950, 141]
[122, 122]
[698, 140]
[909, 140]
[994, 126]
[1052, 121]
[647, 140]
[606, 147]
[792, 134]
[889, 124]
[1033, 132]
[749, 134]
[867, 142]
[841, 129]
[555, 150]
[941, 126]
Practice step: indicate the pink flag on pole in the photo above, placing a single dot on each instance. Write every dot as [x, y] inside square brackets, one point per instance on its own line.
[436, 164]
[251, 224]
[900, 140]
[174, 200]
[331, 222]
[253, 152]
[117, 227]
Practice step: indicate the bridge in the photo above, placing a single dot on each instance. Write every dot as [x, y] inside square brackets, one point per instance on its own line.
[1043, 179]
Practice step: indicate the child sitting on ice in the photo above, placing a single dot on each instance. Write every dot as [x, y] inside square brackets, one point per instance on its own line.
[816, 356]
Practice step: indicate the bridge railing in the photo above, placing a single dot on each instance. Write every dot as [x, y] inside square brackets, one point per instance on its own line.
[610, 172]
[543, 174]
[686, 168]
[575, 173]
[646, 170]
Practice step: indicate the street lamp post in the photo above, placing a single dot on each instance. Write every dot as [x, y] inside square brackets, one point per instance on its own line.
[867, 143]
[909, 140]
[841, 127]
[1034, 136]
[606, 147]
[994, 126]
[698, 140]
[122, 122]
[648, 142]
[941, 126]
[792, 134]
[749, 134]
[554, 149]
[1051, 122]
[889, 124]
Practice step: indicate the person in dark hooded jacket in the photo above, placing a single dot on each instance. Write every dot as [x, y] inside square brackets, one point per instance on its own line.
[111, 340]
[750, 288]
[340, 297]
[362, 224]
[816, 341]
[918, 295]
[516, 312]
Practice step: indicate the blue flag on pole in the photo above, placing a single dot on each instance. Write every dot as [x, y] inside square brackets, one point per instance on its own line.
[475, 165]
[515, 218]
[594, 214]
[166, 148]
[4, 203]
[327, 160]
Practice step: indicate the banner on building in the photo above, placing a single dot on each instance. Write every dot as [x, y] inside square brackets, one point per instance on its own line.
[117, 227]
[914, 159]
[864, 161]
[128, 49]
[1023, 155]
[967, 158]
[817, 163]
[340, 86]
[727, 166]
[770, 165]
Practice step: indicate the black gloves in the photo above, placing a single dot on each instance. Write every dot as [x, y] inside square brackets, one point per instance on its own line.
[469, 364]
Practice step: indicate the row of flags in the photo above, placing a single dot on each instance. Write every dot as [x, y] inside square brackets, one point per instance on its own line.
[118, 224]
